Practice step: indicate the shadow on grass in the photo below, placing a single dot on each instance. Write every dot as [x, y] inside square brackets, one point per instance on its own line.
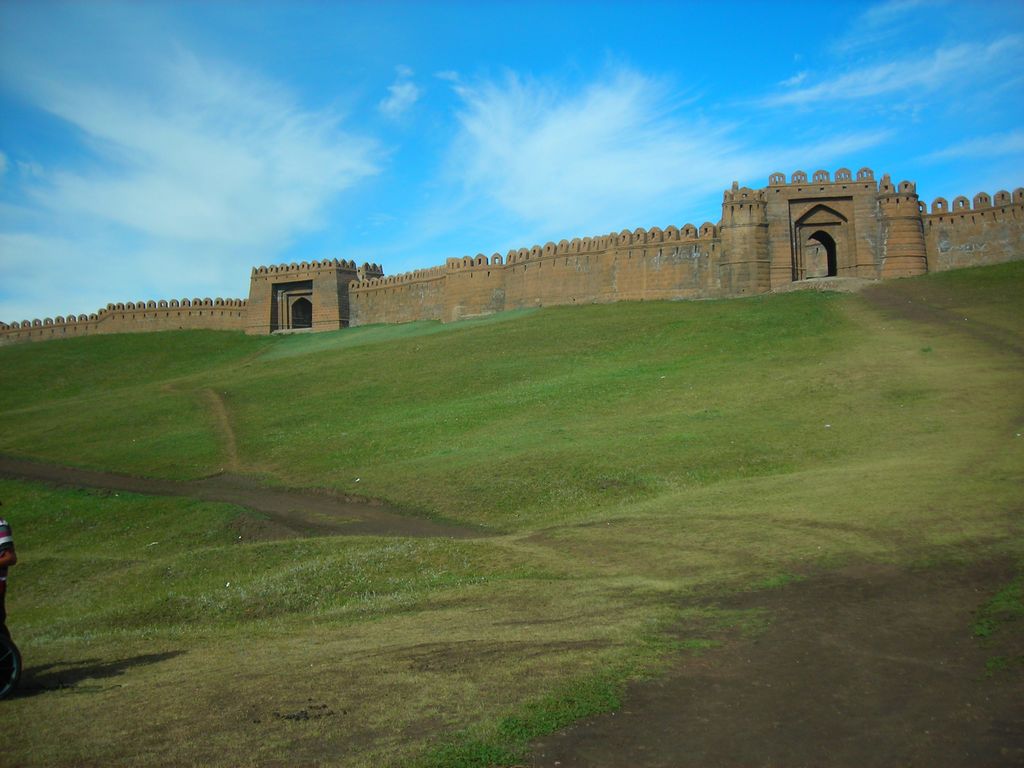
[65, 675]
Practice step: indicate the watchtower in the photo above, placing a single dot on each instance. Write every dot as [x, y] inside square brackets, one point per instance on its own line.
[745, 265]
[903, 244]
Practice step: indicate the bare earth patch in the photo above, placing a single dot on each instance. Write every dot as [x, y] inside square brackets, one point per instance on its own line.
[867, 666]
[289, 512]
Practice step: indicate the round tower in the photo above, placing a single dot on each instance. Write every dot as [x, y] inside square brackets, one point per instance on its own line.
[903, 249]
[744, 262]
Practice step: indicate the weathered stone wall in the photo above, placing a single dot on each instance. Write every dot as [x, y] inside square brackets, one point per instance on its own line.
[401, 298]
[989, 230]
[628, 266]
[844, 205]
[329, 293]
[133, 317]
[745, 258]
[825, 227]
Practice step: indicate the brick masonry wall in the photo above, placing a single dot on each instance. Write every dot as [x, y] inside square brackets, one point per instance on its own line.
[987, 230]
[628, 266]
[398, 298]
[854, 197]
[877, 230]
[132, 317]
[330, 280]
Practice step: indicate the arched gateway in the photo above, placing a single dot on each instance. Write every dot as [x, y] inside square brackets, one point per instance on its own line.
[821, 244]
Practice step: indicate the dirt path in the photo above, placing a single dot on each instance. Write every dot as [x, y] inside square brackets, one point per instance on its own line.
[922, 303]
[222, 424]
[289, 512]
[870, 666]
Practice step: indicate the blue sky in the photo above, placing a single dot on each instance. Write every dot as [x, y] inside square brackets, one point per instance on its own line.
[153, 150]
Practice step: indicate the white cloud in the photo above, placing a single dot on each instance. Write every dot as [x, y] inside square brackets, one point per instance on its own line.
[883, 14]
[946, 67]
[795, 80]
[884, 23]
[585, 159]
[403, 93]
[219, 157]
[192, 171]
[617, 153]
[3, 164]
[996, 145]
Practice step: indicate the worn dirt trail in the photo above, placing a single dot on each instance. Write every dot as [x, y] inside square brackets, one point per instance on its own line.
[289, 512]
[870, 666]
[226, 432]
[927, 305]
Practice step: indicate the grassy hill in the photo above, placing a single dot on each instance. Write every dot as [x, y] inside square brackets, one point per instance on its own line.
[617, 459]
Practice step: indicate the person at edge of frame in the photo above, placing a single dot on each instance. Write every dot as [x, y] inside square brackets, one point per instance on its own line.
[7, 559]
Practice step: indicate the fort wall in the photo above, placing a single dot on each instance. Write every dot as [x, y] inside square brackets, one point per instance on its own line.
[967, 233]
[276, 294]
[403, 298]
[827, 226]
[632, 265]
[844, 206]
[133, 317]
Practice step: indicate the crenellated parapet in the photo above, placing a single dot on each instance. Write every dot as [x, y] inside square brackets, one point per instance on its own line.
[799, 227]
[743, 195]
[980, 202]
[577, 246]
[403, 278]
[132, 317]
[634, 263]
[983, 229]
[316, 266]
[120, 308]
[821, 177]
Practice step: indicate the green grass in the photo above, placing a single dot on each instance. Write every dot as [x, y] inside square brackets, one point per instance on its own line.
[183, 565]
[623, 457]
[1006, 606]
[505, 741]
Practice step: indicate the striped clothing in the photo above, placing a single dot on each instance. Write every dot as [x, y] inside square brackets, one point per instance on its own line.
[6, 542]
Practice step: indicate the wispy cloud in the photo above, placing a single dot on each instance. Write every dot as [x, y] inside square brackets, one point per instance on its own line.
[945, 67]
[402, 94]
[220, 155]
[882, 23]
[188, 167]
[615, 153]
[995, 145]
[795, 80]
[582, 159]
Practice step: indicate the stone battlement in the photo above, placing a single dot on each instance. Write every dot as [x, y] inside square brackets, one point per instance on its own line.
[844, 226]
[133, 316]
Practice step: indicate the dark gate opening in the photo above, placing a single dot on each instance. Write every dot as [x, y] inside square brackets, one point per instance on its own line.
[302, 314]
[825, 240]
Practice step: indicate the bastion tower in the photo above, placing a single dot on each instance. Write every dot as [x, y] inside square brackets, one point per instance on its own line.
[903, 251]
[745, 263]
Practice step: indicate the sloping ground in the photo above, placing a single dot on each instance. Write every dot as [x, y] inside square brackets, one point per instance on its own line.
[289, 512]
[866, 666]
[647, 465]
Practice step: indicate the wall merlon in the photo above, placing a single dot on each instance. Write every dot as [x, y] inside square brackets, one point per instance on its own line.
[981, 202]
[839, 224]
[819, 177]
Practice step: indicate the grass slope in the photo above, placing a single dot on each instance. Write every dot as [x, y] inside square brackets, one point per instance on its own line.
[622, 456]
